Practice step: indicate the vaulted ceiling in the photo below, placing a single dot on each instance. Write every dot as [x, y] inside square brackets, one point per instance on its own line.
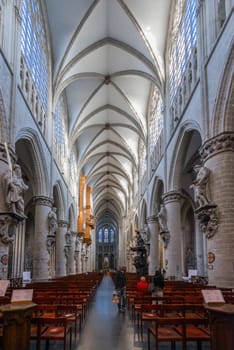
[107, 55]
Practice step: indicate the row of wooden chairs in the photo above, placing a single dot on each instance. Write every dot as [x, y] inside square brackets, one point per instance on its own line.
[179, 329]
[151, 313]
[53, 328]
[61, 308]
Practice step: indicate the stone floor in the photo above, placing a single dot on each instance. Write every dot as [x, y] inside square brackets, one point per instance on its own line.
[107, 329]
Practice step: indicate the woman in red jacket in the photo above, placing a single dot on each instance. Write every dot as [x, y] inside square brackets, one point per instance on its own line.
[142, 285]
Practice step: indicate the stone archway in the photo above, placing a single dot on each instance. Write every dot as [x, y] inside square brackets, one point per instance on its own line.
[32, 162]
[180, 206]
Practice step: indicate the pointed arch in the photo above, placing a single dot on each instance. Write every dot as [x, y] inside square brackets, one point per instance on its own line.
[59, 200]
[155, 199]
[224, 107]
[31, 143]
[178, 156]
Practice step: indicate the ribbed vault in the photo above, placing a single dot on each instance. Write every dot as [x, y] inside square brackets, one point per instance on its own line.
[106, 56]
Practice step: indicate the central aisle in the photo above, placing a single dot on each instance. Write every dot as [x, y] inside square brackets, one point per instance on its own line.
[105, 327]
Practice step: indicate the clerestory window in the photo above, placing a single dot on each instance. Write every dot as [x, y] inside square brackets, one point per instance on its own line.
[33, 46]
[59, 133]
[142, 159]
[156, 119]
[184, 41]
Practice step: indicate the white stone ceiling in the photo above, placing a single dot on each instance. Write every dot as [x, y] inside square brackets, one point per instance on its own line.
[106, 56]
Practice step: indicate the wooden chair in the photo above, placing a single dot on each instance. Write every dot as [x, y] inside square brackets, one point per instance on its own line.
[179, 329]
[36, 330]
[56, 329]
[150, 313]
[72, 314]
[46, 310]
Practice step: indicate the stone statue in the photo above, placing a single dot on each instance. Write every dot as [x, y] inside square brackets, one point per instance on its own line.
[162, 218]
[139, 242]
[200, 185]
[52, 219]
[146, 233]
[190, 261]
[68, 237]
[15, 190]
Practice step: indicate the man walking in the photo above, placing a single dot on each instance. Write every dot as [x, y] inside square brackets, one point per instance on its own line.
[120, 285]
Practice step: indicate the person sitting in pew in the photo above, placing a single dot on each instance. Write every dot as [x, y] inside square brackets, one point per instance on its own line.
[142, 284]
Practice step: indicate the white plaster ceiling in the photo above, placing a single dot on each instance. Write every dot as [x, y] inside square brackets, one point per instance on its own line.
[106, 56]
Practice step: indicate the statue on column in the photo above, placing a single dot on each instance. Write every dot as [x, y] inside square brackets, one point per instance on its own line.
[163, 229]
[52, 220]
[146, 233]
[162, 218]
[190, 259]
[15, 187]
[140, 259]
[199, 186]
[205, 209]
[68, 237]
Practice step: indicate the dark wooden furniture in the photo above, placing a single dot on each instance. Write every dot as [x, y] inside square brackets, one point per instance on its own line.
[16, 319]
[179, 329]
[221, 319]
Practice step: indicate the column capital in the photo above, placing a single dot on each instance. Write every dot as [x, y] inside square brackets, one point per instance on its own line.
[221, 143]
[172, 196]
[42, 200]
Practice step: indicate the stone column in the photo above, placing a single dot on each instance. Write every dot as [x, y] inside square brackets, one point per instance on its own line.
[8, 226]
[173, 254]
[60, 248]
[77, 255]
[12, 189]
[40, 249]
[199, 244]
[18, 251]
[73, 245]
[154, 262]
[218, 156]
[83, 254]
[68, 251]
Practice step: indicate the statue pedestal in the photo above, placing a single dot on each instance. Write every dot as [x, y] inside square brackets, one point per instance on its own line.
[221, 320]
[16, 325]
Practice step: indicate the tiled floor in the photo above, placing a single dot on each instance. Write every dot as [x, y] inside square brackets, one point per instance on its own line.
[107, 329]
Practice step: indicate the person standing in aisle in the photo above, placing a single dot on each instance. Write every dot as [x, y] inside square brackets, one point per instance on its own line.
[120, 285]
[158, 281]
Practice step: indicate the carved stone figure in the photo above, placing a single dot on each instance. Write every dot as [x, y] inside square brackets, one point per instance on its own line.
[200, 186]
[68, 237]
[162, 218]
[139, 240]
[146, 233]
[4, 234]
[52, 220]
[190, 260]
[15, 190]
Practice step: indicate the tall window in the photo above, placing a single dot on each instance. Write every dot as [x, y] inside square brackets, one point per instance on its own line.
[106, 235]
[72, 166]
[59, 132]
[33, 46]
[142, 159]
[184, 40]
[156, 119]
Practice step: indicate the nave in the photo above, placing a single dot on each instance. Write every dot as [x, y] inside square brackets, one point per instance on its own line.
[105, 328]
